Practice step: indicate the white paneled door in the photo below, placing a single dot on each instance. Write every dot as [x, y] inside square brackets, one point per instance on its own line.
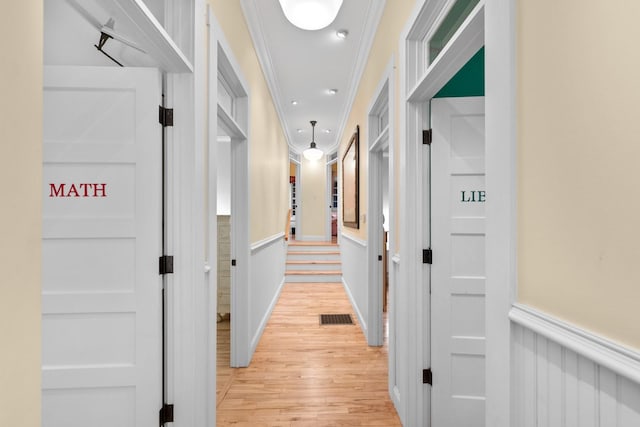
[458, 272]
[101, 291]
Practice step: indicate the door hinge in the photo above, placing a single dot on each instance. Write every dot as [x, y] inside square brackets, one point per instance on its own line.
[427, 256]
[233, 262]
[166, 264]
[427, 136]
[427, 376]
[379, 257]
[165, 116]
[166, 414]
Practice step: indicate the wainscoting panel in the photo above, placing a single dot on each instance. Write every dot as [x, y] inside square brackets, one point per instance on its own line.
[266, 279]
[353, 253]
[556, 381]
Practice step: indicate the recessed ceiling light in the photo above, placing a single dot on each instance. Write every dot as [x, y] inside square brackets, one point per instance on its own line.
[327, 131]
[342, 34]
[299, 130]
[333, 91]
[294, 102]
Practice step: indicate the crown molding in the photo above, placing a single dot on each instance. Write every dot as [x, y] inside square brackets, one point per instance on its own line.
[250, 10]
[373, 17]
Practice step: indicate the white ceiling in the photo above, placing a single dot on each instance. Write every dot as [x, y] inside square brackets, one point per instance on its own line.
[303, 65]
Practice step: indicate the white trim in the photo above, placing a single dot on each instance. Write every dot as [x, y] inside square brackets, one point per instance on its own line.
[372, 19]
[329, 203]
[379, 140]
[229, 124]
[159, 45]
[501, 181]
[254, 24]
[414, 322]
[622, 360]
[212, 239]
[354, 305]
[265, 319]
[261, 244]
[467, 40]
[225, 64]
[361, 242]
[190, 372]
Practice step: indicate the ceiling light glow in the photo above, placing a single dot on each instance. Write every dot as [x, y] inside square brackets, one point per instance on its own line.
[311, 14]
[312, 153]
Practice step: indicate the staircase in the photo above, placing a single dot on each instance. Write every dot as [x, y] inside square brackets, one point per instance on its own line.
[313, 262]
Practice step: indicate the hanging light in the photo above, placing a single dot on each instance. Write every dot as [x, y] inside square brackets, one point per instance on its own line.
[311, 14]
[312, 153]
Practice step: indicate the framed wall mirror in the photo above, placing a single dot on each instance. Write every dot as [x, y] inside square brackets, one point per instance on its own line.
[351, 182]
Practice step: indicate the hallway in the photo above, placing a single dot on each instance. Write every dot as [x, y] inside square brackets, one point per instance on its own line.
[305, 374]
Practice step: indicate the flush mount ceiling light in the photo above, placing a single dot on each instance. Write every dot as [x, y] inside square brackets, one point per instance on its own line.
[342, 34]
[311, 14]
[312, 153]
[332, 91]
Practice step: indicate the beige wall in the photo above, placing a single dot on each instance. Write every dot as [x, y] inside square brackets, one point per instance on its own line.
[385, 44]
[578, 174]
[314, 200]
[20, 212]
[268, 149]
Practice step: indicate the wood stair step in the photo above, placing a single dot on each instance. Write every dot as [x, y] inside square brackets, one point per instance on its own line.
[311, 243]
[313, 253]
[313, 272]
[301, 262]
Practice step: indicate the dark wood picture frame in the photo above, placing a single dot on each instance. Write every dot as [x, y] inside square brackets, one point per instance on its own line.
[351, 182]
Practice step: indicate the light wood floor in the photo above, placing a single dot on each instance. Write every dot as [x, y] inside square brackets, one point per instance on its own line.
[304, 374]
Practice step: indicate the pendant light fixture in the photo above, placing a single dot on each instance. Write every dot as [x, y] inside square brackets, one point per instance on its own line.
[311, 14]
[312, 153]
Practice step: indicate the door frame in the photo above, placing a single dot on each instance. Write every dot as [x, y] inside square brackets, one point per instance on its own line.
[327, 228]
[295, 159]
[222, 64]
[501, 180]
[378, 141]
[418, 85]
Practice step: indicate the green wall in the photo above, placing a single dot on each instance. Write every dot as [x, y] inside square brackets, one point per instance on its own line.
[469, 81]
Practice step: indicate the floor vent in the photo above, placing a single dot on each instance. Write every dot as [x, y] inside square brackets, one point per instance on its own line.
[336, 319]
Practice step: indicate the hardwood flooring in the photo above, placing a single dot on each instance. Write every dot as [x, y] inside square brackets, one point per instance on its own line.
[305, 374]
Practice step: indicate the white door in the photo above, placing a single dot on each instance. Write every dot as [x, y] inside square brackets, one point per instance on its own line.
[101, 291]
[458, 271]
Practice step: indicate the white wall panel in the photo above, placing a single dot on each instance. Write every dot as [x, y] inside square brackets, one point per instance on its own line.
[557, 384]
[353, 253]
[266, 279]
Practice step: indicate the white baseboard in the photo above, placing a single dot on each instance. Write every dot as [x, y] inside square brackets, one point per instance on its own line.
[361, 320]
[265, 319]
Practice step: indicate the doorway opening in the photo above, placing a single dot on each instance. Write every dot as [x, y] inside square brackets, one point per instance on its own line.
[228, 195]
[441, 40]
